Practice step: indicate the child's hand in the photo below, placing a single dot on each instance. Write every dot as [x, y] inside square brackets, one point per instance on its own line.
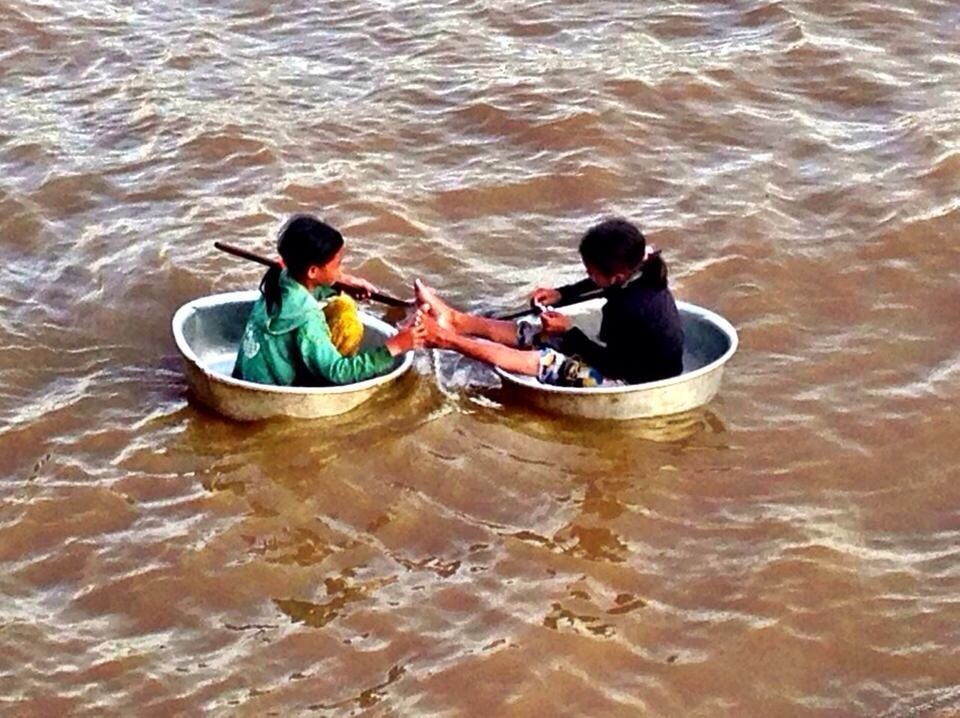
[412, 335]
[545, 295]
[555, 322]
[363, 287]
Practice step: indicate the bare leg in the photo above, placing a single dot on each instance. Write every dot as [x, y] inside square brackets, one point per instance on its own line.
[520, 361]
[497, 330]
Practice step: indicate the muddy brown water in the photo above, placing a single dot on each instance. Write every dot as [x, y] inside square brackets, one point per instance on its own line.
[790, 551]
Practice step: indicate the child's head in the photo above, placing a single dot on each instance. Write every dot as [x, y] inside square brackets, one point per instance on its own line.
[311, 250]
[614, 250]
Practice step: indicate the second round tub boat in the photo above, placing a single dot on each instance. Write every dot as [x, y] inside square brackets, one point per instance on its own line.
[709, 342]
[208, 330]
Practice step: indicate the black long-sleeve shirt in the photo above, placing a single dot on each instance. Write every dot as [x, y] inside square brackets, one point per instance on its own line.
[641, 329]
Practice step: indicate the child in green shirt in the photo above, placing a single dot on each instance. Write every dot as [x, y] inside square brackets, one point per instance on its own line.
[287, 341]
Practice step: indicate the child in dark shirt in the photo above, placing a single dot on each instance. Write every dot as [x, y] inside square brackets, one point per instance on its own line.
[641, 330]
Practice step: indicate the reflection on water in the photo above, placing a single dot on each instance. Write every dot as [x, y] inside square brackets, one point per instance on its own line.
[340, 593]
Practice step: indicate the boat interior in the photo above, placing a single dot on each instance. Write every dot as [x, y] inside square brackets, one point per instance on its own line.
[213, 332]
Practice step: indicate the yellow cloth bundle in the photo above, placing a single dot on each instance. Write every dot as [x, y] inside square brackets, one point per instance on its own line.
[343, 320]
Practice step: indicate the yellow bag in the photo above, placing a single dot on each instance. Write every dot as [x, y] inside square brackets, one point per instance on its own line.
[346, 329]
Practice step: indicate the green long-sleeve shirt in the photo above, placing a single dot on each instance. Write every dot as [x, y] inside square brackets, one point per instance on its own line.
[291, 344]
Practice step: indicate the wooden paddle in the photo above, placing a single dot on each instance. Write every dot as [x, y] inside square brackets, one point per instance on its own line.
[345, 288]
[576, 299]
[652, 251]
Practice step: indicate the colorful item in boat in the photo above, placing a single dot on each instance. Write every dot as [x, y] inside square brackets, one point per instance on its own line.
[343, 320]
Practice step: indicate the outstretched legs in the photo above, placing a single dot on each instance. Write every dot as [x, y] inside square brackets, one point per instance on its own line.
[447, 327]
[496, 330]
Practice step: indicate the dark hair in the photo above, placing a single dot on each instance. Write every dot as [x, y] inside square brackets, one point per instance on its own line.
[304, 241]
[616, 245]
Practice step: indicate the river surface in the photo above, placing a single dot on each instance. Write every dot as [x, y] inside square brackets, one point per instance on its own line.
[794, 550]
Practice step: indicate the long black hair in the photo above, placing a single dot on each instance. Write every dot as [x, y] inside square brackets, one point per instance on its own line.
[616, 245]
[304, 241]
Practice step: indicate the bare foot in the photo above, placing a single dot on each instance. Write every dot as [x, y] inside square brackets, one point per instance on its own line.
[437, 335]
[432, 304]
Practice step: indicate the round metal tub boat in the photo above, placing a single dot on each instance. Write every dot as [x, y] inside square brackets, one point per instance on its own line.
[709, 342]
[208, 331]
